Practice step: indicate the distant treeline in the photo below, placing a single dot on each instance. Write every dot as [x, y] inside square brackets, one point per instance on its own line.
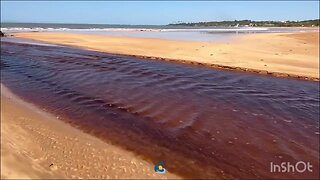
[241, 23]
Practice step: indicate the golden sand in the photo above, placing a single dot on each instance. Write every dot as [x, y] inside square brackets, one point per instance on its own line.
[34, 144]
[294, 54]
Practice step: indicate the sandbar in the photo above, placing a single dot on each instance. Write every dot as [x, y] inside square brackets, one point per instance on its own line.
[279, 54]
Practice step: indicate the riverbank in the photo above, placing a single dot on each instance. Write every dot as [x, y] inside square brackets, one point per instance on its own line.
[293, 55]
[34, 144]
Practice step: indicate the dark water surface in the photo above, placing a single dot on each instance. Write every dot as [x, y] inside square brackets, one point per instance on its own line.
[202, 123]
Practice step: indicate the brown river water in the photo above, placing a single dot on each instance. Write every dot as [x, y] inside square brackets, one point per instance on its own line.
[203, 123]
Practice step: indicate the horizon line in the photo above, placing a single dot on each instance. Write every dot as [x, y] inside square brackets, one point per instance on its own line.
[155, 24]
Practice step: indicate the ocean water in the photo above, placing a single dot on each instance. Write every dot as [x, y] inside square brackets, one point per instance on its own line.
[215, 123]
[181, 33]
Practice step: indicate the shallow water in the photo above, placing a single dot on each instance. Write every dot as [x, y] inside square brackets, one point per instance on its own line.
[218, 34]
[181, 35]
[202, 123]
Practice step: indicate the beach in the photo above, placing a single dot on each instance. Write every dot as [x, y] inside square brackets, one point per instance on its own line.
[278, 54]
[160, 90]
[37, 145]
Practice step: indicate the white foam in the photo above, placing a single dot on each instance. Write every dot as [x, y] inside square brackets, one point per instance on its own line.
[40, 29]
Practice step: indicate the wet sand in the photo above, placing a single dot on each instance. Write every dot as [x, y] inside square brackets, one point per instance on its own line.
[286, 54]
[218, 124]
[36, 145]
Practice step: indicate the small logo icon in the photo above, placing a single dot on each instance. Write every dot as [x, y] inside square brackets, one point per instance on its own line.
[159, 168]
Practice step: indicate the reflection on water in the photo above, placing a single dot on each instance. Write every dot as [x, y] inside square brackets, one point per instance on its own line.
[216, 123]
[218, 34]
[197, 36]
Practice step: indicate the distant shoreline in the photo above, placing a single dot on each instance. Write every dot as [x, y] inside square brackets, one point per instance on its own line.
[251, 23]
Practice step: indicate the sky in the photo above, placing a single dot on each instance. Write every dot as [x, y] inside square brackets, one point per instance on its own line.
[154, 12]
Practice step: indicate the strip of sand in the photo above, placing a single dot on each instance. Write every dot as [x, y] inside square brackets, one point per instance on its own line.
[285, 54]
[34, 144]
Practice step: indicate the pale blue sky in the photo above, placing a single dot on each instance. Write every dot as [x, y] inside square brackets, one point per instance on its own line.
[143, 12]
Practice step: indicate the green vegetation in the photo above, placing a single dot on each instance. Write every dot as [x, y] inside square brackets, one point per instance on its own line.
[242, 23]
